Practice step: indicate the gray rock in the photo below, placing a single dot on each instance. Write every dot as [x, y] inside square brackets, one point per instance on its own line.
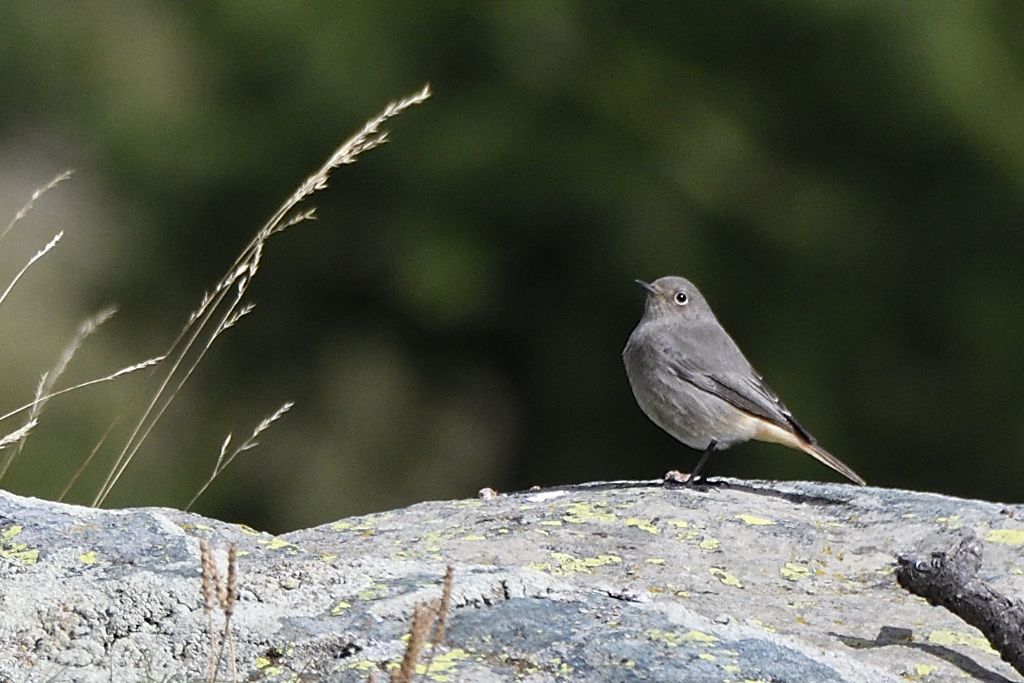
[626, 581]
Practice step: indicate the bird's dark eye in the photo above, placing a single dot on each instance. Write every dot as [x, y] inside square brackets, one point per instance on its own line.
[681, 298]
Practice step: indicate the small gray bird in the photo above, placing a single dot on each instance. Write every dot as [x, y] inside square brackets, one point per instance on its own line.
[692, 380]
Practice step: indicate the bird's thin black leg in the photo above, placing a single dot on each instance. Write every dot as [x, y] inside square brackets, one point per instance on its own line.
[695, 473]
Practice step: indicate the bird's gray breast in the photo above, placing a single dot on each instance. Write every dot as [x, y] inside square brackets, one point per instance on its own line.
[690, 414]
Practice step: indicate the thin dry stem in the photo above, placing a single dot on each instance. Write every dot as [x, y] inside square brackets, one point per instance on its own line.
[445, 606]
[210, 583]
[39, 192]
[222, 594]
[422, 618]
[225, 457]
[99, 380]
[49, 379]
[189, 343]
[35, 257]
[17, 435]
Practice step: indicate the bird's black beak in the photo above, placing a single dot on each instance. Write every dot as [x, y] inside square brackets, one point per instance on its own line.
[646, 285]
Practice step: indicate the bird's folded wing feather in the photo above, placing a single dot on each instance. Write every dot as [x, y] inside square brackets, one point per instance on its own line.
[749, 394]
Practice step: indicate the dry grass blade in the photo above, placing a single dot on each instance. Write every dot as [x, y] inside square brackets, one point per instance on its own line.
[426, 616]
[222, 594]
[225, 457]
[17, 435]
[49, 379]
[444, 608]
[422, 618]
[216, 312]
[82, 385]
[39, 192]
[35, 257]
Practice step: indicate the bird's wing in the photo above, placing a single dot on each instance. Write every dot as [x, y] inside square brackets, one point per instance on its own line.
[747, 392]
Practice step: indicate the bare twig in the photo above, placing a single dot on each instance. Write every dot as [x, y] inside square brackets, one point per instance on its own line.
[950, 579]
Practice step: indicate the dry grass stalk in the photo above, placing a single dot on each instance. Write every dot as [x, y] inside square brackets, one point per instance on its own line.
[427, 617]
[39, 192]
[226, 456]
[35, 257]
[444, 608]
[218, 311]
[82, 385]
[422, 619]
[49, 379]
[44, 389]
[222, 594]
[17, 435]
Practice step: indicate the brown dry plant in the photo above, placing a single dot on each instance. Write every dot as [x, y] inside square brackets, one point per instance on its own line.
[223, 306]
[429, 621]
[45, 387]
[223, 595]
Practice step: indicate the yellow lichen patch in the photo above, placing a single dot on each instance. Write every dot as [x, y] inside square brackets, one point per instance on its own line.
[642, 524]
[731, 669]
[88, 558]
[959, 638]
[275, 544]
[953, 521]
[707, 657]
[922, 670]
[551, 522]
[792, 571]
[439, 666]
[1006, 536]
[655, 560]
[676, 638]
[340, 607]
[699, 637]
[565, 563]
[16, 551]
[679, 523]
[364, 528]
[474, 537]
[562, 668]
[581, 513]
[725, 577]
[373, 592]
[709, 544]
[754, 521]
[267, 668]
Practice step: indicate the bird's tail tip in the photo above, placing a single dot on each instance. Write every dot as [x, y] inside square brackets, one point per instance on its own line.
[823, 456]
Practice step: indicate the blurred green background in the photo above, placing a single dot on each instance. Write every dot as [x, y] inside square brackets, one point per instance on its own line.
[844, 181]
